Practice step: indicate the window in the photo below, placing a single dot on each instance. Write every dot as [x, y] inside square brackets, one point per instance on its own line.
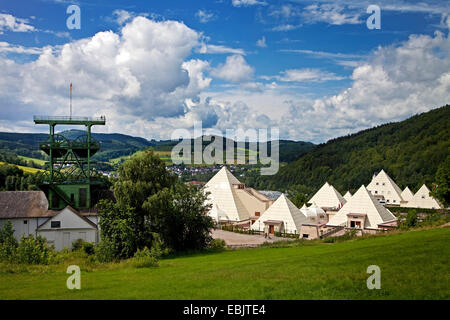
[305, 236]
[25, 221]
[383, 183]
[72, 198]
[393, 201]
[56, 224]
[257, 214]
[376, 192]
[423, 197]
[376, 183]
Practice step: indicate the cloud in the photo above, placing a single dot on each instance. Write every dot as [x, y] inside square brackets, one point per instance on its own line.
[10, 23]
[122, 16]
[235, 69]
[397, 82]
[8, 48]
[331, 13]
[247, 3]
[219, 49]
[205, 16]
[286, 27]
[305, 75]
[133, 77]
[262, 42]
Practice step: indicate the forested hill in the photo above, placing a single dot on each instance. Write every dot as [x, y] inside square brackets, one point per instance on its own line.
[410, 151]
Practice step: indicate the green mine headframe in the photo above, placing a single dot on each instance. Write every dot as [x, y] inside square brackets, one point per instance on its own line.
[71, 177]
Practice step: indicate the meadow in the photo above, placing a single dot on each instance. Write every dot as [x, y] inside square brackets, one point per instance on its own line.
[414, 265]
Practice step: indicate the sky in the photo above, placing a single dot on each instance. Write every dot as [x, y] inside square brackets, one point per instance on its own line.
[312, 69]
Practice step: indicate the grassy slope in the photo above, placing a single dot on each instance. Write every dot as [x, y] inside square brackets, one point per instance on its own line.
[414, 265]
[35, 160]
[25, 169]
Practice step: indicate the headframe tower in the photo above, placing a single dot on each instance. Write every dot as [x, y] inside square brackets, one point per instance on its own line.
[71, 176]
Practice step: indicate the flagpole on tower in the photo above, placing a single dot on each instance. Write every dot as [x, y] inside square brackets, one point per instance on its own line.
[71, 100]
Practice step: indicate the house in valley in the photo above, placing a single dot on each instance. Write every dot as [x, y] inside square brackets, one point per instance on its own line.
[364, 214]
[282, 216]
[29, 215]
[423, 200]
[232, 201]
[385, 190]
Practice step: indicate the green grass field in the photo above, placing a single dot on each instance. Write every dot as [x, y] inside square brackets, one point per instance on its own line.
[414, 265]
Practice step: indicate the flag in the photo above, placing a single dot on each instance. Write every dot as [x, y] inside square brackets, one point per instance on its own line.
[70, 88]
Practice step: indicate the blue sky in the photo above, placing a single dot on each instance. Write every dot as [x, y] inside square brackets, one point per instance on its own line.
[311, 68]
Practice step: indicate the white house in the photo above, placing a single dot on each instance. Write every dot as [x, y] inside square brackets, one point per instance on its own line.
[66, 227]
[423, 200]
[29, 215]
[328, 198]
[232, 201]
[282, 216]
[363, 212]
[384, 188]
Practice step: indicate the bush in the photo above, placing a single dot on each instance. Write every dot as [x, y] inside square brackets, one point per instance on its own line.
[77, 244]
[88, 248]
[81, 245]
[217, 245]
[8, 243]
[145, 258]
[33, 251]
[105, 251]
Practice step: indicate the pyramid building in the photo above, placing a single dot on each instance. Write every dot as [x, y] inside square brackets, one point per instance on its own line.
[384, 188]
[328, 197]
[363, 211]
[231, 200]
[423, 200]
[407, 195]
[347, 195]
[282, 216]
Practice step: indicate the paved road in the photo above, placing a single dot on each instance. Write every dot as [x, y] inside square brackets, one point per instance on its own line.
[245, 240]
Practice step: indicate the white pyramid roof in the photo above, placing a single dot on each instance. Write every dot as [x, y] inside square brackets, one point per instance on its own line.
[392, 189]
[328, 197]
[362, 202]
[347, 196]
[422, 199]
[304, 209]
[221, 195]
[218, 214]
[282, 210]
[407, 194]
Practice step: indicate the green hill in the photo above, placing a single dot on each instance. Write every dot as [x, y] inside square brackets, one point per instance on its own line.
[309, 271]
[116, 146]
[410, 151]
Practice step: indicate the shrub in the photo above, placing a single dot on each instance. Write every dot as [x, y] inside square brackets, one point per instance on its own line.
[105, 251]
[8, 243]
[88, 248]
[145, 258]
[217, 245]
[77, 244]
[33, 251]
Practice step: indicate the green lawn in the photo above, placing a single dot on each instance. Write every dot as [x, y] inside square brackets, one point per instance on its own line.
[414, 265]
